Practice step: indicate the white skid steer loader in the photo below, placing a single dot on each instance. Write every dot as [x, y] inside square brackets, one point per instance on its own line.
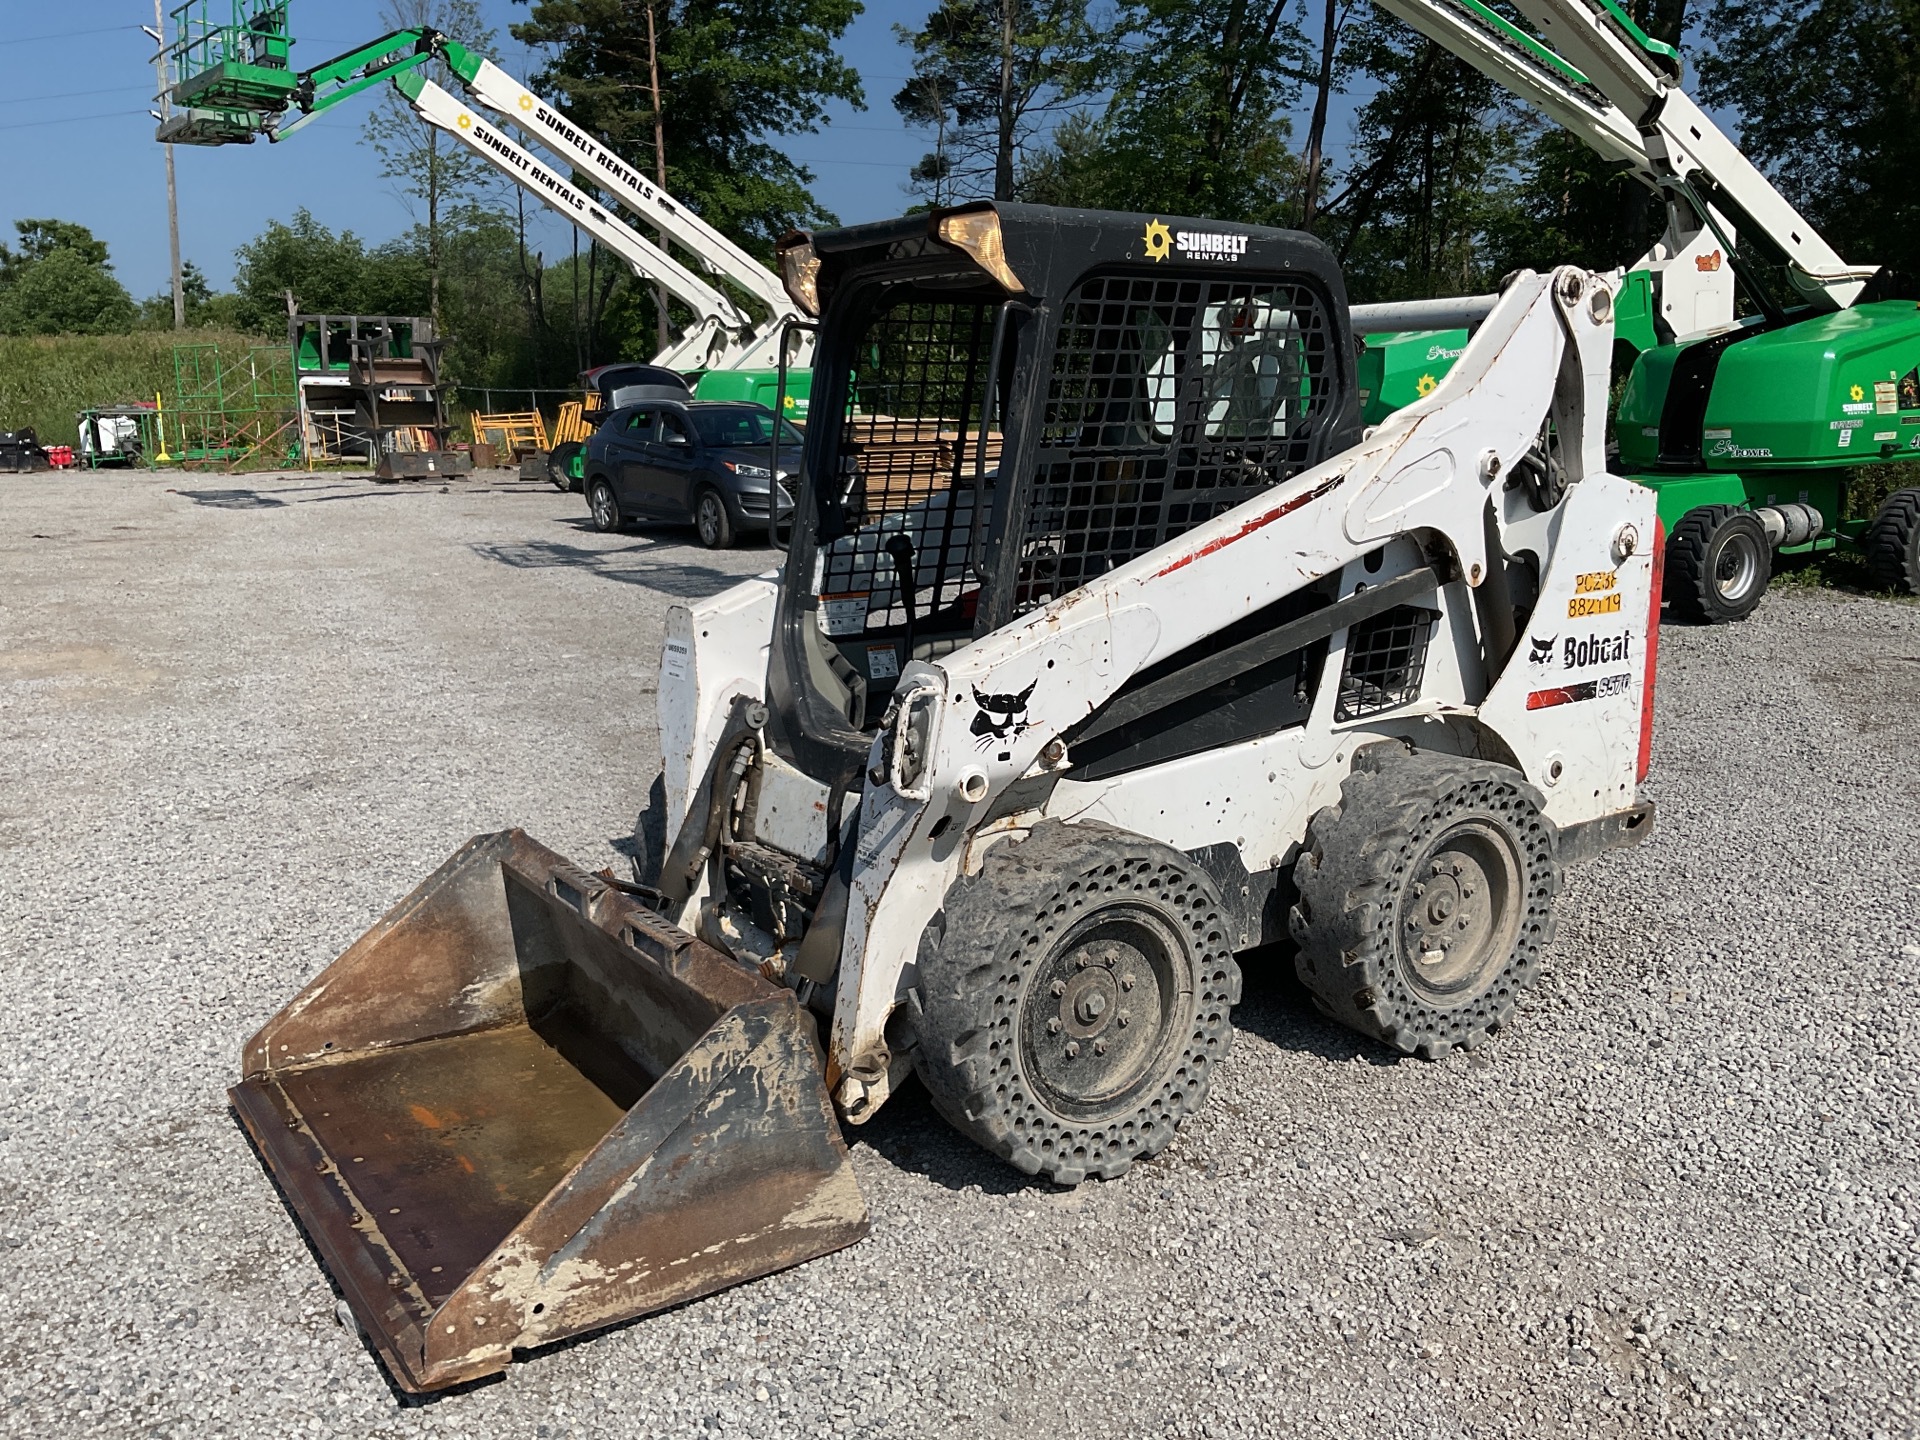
[1105, 647]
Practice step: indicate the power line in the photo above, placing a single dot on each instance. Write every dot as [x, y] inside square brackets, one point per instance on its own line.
[76, 94]
[66, 34]
[72, 119]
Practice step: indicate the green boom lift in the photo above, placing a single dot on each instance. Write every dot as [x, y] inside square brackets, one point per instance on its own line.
[1744, 424]
[232, 81]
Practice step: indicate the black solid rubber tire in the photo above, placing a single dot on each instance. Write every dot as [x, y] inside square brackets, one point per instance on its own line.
[650, 837]
[1694, 552]
[1892, 543]
[608, 518]
[981, 966]
[558, 460]
[722, 530]
[1357, 879]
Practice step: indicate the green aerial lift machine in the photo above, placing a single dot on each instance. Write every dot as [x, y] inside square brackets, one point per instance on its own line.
[1762, 369]
[232, 82]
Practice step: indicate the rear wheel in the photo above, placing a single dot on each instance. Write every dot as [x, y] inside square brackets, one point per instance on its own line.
[1426, 897]
[1718, 564]
[1892, 543]
[1074, 1000]
[603, 505]
[711, 520]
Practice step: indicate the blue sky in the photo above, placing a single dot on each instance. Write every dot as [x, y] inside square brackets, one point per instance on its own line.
[76, 142]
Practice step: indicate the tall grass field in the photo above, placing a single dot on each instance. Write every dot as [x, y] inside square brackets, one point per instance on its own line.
[46, 380]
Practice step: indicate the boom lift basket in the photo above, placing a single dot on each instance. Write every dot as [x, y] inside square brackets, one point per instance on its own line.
[522, 1106]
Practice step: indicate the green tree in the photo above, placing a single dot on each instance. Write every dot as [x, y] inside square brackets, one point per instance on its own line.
[326, 273]
[989, 76]
[1197, 122]
[1829, 104]
[733, 74]
[1431, 173]
[434, 174]
[58, 282]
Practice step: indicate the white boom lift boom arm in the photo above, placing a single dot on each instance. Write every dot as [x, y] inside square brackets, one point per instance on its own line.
[1618, 91]
[722, 337]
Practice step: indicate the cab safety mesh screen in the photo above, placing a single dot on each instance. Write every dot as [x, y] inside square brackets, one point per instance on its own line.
[1170, 402]
[1386, 661]
[910, 443]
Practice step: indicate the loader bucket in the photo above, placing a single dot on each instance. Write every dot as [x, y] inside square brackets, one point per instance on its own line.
[522, 1106]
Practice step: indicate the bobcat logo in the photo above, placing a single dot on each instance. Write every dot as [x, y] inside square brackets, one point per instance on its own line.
[1542, 650]
[1001, 717]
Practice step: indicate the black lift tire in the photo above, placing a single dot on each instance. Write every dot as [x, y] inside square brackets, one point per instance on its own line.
[1892, 543]
[1426, 899]
[559, 465]
[1718, 564]
[1074, 999]
[603, 506]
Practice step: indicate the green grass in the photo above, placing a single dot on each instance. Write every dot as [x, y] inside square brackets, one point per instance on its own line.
[46, 380]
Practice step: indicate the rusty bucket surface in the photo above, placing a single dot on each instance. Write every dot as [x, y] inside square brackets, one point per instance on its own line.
[522, 1107]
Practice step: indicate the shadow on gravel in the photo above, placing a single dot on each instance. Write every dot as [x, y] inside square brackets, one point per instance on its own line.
[232, 499]
[909, 1134]
[1275, 1006]
[629, 566]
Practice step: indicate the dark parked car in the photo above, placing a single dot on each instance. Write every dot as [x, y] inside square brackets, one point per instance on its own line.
[698, 461]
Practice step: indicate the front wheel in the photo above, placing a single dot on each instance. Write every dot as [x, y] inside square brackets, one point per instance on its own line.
[1426, 898]
[1892, 543]
[1074, 1000]
[602, 505]
[1718, 564]
[711, 520]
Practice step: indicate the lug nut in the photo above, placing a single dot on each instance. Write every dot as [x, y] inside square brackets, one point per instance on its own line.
[1466, 892]
[1463, 922]
[1073, 1049]
[1053, 1026]
[1059, 987]
[1099, 1047]
[1083, 961]
[1126, 982]
[1125, 1020]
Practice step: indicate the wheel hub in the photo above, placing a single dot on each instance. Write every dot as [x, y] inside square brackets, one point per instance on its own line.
[1097, 1015]
[1459, 916]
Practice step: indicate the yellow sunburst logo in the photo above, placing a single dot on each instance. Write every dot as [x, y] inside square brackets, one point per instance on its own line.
[1427, 385]
[1158, 240]
[1857, 393]
[526, 102]
[465, 122]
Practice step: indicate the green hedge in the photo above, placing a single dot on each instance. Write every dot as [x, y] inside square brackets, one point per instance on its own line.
[47, 380]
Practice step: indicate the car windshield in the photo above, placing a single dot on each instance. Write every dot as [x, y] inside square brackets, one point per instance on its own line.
[741, 427]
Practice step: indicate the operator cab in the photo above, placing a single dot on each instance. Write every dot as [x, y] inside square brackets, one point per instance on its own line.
[1011, 400]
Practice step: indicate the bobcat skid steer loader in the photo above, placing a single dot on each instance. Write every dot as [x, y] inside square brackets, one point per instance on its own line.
[1106, 646]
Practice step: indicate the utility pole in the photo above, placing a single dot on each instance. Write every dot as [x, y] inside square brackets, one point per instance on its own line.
[659, 164]
[159, 33]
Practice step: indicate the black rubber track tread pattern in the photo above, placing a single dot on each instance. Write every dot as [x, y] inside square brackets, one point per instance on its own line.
[990, 937]
[1689, 584]
[1892, 543]
[1359, 855]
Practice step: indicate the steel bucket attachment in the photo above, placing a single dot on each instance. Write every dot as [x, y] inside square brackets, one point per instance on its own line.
[522, 1107]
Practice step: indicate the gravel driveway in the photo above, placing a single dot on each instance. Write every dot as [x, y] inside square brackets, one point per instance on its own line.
[239, 718]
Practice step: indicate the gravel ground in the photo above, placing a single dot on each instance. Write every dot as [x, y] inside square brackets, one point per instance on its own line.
[1679, 1196]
